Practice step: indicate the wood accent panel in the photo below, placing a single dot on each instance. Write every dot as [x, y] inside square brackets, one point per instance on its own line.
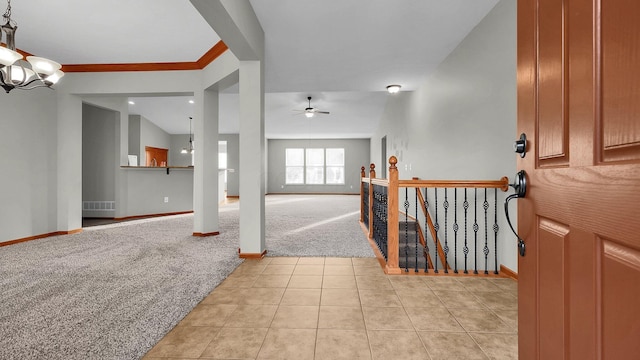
[552, 117]
[218, 49]
[620, 294]
[41, 236]
[242, 255]
[552, 289]
[620, 118]
[199, 234]
[156, 157]
[152, 215]
[505, 271]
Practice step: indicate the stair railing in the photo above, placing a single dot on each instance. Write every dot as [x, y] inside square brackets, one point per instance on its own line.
[380, 216]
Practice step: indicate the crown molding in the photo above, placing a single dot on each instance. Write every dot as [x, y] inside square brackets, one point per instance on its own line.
[206, 59]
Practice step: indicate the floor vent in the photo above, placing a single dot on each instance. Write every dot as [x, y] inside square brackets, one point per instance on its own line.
[99, 205]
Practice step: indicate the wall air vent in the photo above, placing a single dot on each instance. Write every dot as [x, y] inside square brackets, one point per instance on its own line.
[98, 205]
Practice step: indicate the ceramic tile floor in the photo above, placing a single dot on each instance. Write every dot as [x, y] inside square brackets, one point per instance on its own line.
[346, 308]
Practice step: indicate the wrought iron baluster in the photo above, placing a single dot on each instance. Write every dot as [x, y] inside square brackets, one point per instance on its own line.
[436, 227]
[385, 224]
[465, 249]
[445, 205]
[455, 230]
[365, 202]
[475, 230]
[406, 229]
[416, 230]
[485, 250]
[426, 231]
[495, 229]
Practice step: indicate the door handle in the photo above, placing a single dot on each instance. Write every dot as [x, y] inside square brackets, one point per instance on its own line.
[520, 187]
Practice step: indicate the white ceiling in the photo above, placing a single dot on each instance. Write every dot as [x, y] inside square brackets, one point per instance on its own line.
[342, 53]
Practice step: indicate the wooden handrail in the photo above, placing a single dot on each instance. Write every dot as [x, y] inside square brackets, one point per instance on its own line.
[502, 184]
[381, 182]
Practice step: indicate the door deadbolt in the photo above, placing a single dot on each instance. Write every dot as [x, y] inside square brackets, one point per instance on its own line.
[520, 145]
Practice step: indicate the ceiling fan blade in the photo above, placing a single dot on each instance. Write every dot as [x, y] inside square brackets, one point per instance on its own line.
[321, 112]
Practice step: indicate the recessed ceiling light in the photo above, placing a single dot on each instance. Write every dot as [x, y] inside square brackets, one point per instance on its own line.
[191, 101]
[131, 102]
[392, 89]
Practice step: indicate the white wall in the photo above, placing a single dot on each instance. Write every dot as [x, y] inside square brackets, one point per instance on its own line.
[151, 135]
[461, 123]
[177, 143]
[28, 157]
[147, 188]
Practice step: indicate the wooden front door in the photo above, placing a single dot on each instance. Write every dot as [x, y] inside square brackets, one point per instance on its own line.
[579, 105]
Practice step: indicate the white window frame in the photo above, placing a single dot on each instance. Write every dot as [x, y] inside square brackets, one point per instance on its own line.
[305, 167]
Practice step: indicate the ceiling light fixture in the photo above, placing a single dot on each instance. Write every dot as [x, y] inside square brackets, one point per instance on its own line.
[392, 89]
[191, 101]
[131, 102]
[189, 149]
[309, 113]
[15, 72]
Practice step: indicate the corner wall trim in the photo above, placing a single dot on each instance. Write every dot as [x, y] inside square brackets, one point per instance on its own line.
[41, 236]
[508, 272]
[199, 234]
[242, 255]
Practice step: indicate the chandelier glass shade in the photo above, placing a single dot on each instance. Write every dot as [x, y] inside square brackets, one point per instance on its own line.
[15, 71]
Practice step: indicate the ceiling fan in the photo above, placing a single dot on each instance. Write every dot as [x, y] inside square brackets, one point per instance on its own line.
[310, 111]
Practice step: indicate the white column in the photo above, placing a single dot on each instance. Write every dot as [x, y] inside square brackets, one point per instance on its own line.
[69, 167]
[205, 172]
[252, 159]
[121, 152]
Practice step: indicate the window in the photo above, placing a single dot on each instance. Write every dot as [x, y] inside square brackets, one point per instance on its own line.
[294, 163]
[314, 166]
[335, 166]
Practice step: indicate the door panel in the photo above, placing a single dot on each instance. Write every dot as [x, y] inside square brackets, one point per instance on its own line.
[579, 104]
[620, 75]
[552, 240]
[620, 311]
[551, 80]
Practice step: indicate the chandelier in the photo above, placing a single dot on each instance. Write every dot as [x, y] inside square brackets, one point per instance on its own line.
[15, 72]
[189, 149]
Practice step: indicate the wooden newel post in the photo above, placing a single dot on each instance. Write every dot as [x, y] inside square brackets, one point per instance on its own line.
[392, 219]
[362, 176]
[372, 175]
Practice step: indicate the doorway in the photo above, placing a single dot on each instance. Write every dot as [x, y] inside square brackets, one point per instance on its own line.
[383, 161]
